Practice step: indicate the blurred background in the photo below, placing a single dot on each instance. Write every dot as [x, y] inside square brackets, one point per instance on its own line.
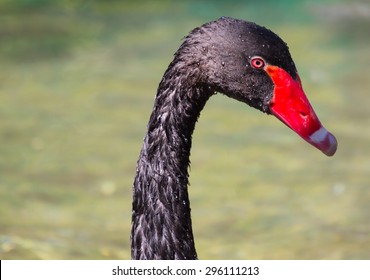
[77, 84]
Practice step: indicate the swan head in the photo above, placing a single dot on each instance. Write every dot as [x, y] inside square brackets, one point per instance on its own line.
[252, 64]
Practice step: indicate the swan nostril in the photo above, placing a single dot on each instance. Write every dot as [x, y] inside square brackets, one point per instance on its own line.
[303, 114]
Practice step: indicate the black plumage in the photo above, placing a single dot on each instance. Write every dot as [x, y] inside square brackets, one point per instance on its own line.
[213, 58]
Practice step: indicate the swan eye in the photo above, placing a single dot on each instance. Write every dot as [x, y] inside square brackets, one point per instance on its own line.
[258, 62]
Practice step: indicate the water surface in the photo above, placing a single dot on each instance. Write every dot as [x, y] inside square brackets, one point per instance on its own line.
[76, 91]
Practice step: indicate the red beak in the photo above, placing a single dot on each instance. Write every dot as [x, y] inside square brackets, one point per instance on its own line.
[291, 106]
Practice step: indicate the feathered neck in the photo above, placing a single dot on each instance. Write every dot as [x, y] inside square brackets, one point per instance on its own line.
[161, 221]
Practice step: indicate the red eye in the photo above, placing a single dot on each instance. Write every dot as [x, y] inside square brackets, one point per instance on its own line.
[257, 62]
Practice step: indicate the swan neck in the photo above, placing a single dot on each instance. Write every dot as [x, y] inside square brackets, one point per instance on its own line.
[161, 221]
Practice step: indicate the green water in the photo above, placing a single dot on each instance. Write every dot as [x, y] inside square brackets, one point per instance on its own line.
[77, 83]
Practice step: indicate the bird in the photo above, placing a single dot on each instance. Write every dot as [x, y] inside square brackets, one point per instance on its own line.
[241, 60]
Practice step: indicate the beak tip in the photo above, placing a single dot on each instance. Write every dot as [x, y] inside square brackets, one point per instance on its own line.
[332, 145]
[325, 141]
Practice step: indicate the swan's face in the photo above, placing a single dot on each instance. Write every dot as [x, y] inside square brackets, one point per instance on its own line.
[252, 64]
[239, 54]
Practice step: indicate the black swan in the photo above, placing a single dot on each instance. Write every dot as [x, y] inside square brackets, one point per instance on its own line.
[240, 59]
